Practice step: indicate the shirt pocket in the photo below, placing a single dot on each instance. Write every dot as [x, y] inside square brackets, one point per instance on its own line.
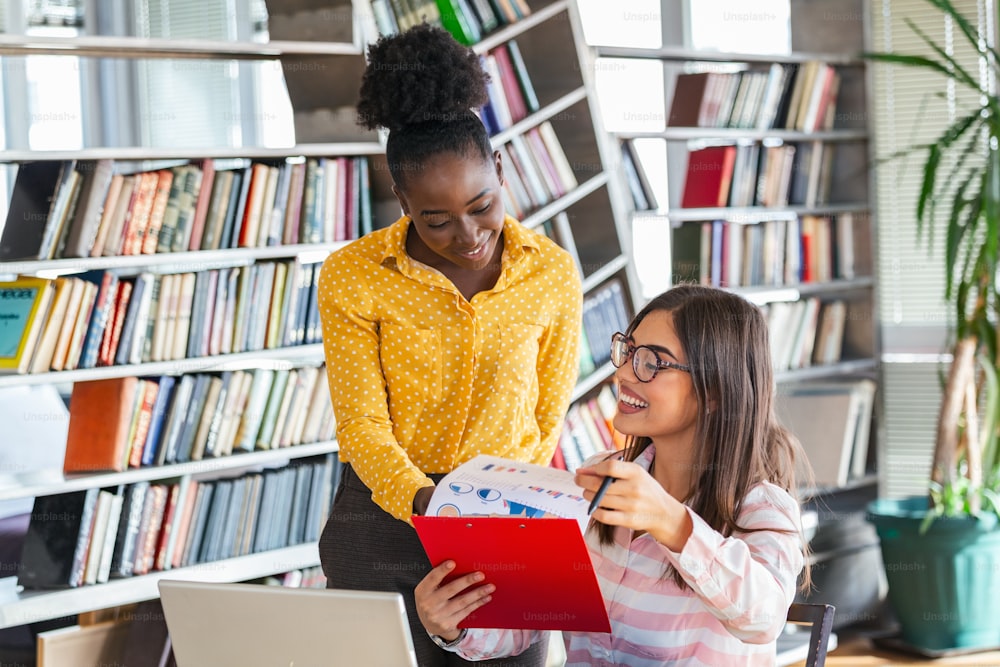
[517, 362]
[411, 362]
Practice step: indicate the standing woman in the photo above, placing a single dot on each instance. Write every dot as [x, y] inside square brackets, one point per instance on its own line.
[454, 332]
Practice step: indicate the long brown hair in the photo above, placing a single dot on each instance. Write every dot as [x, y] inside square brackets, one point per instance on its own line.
[739, 440]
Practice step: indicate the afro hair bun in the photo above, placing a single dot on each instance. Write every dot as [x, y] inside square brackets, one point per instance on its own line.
[418, 76]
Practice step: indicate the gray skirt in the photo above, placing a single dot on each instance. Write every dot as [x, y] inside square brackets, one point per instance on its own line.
[364, 547]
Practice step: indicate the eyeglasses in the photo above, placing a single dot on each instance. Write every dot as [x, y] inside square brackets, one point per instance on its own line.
[645, 361]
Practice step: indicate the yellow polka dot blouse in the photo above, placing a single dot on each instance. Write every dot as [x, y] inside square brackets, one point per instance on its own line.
[423, 380]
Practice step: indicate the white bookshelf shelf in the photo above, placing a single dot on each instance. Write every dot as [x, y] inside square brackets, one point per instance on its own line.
[170, 262]
[20, 608]
[853, 367]
[592, 381]
[142, 47]
[754, 214]
[851, 484]
[549, 210]
[770, 294]
[605, 272]
[148, 154]
[540, 116]
[49, 482]
[709, 135]
[279, 358]
[694, 55]
[843, 368]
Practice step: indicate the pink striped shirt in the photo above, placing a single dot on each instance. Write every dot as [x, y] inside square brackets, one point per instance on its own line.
[740, 590]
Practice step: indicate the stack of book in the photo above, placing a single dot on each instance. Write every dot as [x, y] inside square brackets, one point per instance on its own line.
[742, 175]
[587, 430]
[807, 332]
[643, 195]
[785, 96]
[97, 318]
[91, 208]
[604, 313]
[92, 536]
[536, 170]
[121, 423]
[511, 95]
[832, 421]
[467, 20]
[770, 253]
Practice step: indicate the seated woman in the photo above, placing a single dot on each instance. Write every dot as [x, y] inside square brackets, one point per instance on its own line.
[697, 544]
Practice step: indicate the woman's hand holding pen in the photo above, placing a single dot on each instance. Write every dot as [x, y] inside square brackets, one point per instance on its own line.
[442, 606]
[636, 501]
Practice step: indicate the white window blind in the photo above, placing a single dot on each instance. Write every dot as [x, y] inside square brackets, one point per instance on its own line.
[195, 102]
[55, 12]
[912, 106]
[188, 102]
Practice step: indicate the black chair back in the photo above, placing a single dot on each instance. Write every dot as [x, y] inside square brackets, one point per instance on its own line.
[820, 619]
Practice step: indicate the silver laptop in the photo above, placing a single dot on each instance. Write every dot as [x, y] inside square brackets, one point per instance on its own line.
[254, 625]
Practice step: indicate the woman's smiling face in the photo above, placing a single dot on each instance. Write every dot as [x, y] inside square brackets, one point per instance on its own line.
[457, 209]
[664, 409]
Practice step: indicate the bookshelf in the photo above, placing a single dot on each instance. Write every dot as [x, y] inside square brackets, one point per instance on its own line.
[695, 156]
[322, 63]
[275, 556]
[718, 220]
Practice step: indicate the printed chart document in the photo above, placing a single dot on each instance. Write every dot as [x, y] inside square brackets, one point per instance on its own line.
[522, 526]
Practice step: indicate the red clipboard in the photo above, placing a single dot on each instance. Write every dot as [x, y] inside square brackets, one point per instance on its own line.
[541, 568]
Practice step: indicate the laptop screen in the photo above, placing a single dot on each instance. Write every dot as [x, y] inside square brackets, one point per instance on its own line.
[255, 625]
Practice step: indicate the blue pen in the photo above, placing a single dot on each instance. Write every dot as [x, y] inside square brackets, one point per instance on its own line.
[600, 493]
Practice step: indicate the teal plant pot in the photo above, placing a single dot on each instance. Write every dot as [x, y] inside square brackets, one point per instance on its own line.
[944, 585]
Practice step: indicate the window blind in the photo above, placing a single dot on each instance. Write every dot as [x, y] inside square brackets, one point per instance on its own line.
[912, 106]
[188, 102]
[54, 12]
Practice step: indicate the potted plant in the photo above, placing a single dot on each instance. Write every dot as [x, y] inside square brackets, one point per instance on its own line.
[942, 550]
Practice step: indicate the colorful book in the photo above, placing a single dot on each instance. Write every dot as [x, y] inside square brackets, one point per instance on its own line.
[57, 538]
[458, 18]
[83, 228]
[24, 306]
[709, 174]
[161, 193]
[30, 202]
[100, 418]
